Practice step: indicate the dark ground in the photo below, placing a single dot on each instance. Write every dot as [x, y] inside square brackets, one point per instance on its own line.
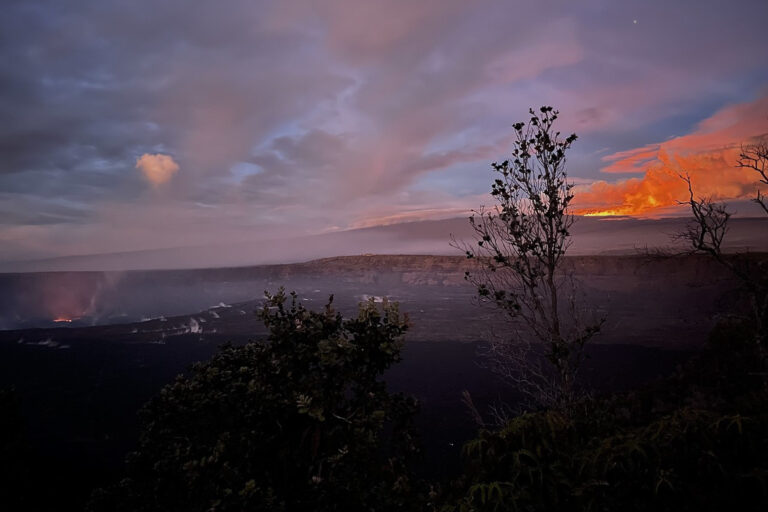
[80, 404]
[80, 386]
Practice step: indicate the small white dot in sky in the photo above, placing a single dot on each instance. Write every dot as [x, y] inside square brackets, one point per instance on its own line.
[634, 21]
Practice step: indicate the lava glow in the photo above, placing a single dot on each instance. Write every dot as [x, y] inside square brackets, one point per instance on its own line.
[708, 155]
[713, 174]
[616, 212]
[64, 319]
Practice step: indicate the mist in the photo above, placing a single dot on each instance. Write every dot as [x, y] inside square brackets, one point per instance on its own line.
[615, 235]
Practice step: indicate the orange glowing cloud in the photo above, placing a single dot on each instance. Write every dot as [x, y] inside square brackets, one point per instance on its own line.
[158, 168]
[708, 156]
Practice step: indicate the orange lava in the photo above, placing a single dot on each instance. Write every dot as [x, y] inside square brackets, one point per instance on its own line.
[708, 155]
[616, 212]
[713, 174]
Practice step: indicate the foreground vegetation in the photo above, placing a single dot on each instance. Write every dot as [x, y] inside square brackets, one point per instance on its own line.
[697, 440]
[304, 422]
[293, 423]
[235, 433]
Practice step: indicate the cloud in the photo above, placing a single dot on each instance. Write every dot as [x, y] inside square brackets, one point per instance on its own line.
[297, 116]
[157, 169]
[631, 160]
[411, 216]
[708, 155]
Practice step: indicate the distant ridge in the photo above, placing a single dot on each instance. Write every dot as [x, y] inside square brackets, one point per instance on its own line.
[591, 235]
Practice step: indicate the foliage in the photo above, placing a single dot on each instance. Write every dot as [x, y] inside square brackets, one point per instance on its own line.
[683, 444]
[299, 422]
[521, 244]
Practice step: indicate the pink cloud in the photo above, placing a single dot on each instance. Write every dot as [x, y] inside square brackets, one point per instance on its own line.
[158, 168]
[632, 160]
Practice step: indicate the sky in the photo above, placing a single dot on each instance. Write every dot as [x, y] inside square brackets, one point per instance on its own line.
[134, 125]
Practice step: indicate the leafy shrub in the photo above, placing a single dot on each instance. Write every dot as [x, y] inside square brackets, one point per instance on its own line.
[299, 422]
[649, 450]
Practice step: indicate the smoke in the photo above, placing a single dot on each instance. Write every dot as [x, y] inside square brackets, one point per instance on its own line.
[708, 155]
[158, 168]
[71, 296]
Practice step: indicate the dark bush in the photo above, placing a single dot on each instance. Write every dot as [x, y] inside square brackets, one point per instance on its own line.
[695, 441]
[301, 421]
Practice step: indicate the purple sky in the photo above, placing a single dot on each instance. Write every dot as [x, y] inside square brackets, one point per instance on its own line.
[131, 125]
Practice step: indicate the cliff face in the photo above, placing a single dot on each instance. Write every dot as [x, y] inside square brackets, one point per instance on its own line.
[449, 270]
[406, 269]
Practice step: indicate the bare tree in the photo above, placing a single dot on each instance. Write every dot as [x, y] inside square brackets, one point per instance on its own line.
[755, 157]
[706, 231]
[520, 244]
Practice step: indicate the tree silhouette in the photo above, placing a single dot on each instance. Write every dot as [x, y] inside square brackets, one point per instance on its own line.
[520, 245]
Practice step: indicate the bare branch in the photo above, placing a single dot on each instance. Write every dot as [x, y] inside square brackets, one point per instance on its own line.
[705, 233]
[709, 226]
[755, 157]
